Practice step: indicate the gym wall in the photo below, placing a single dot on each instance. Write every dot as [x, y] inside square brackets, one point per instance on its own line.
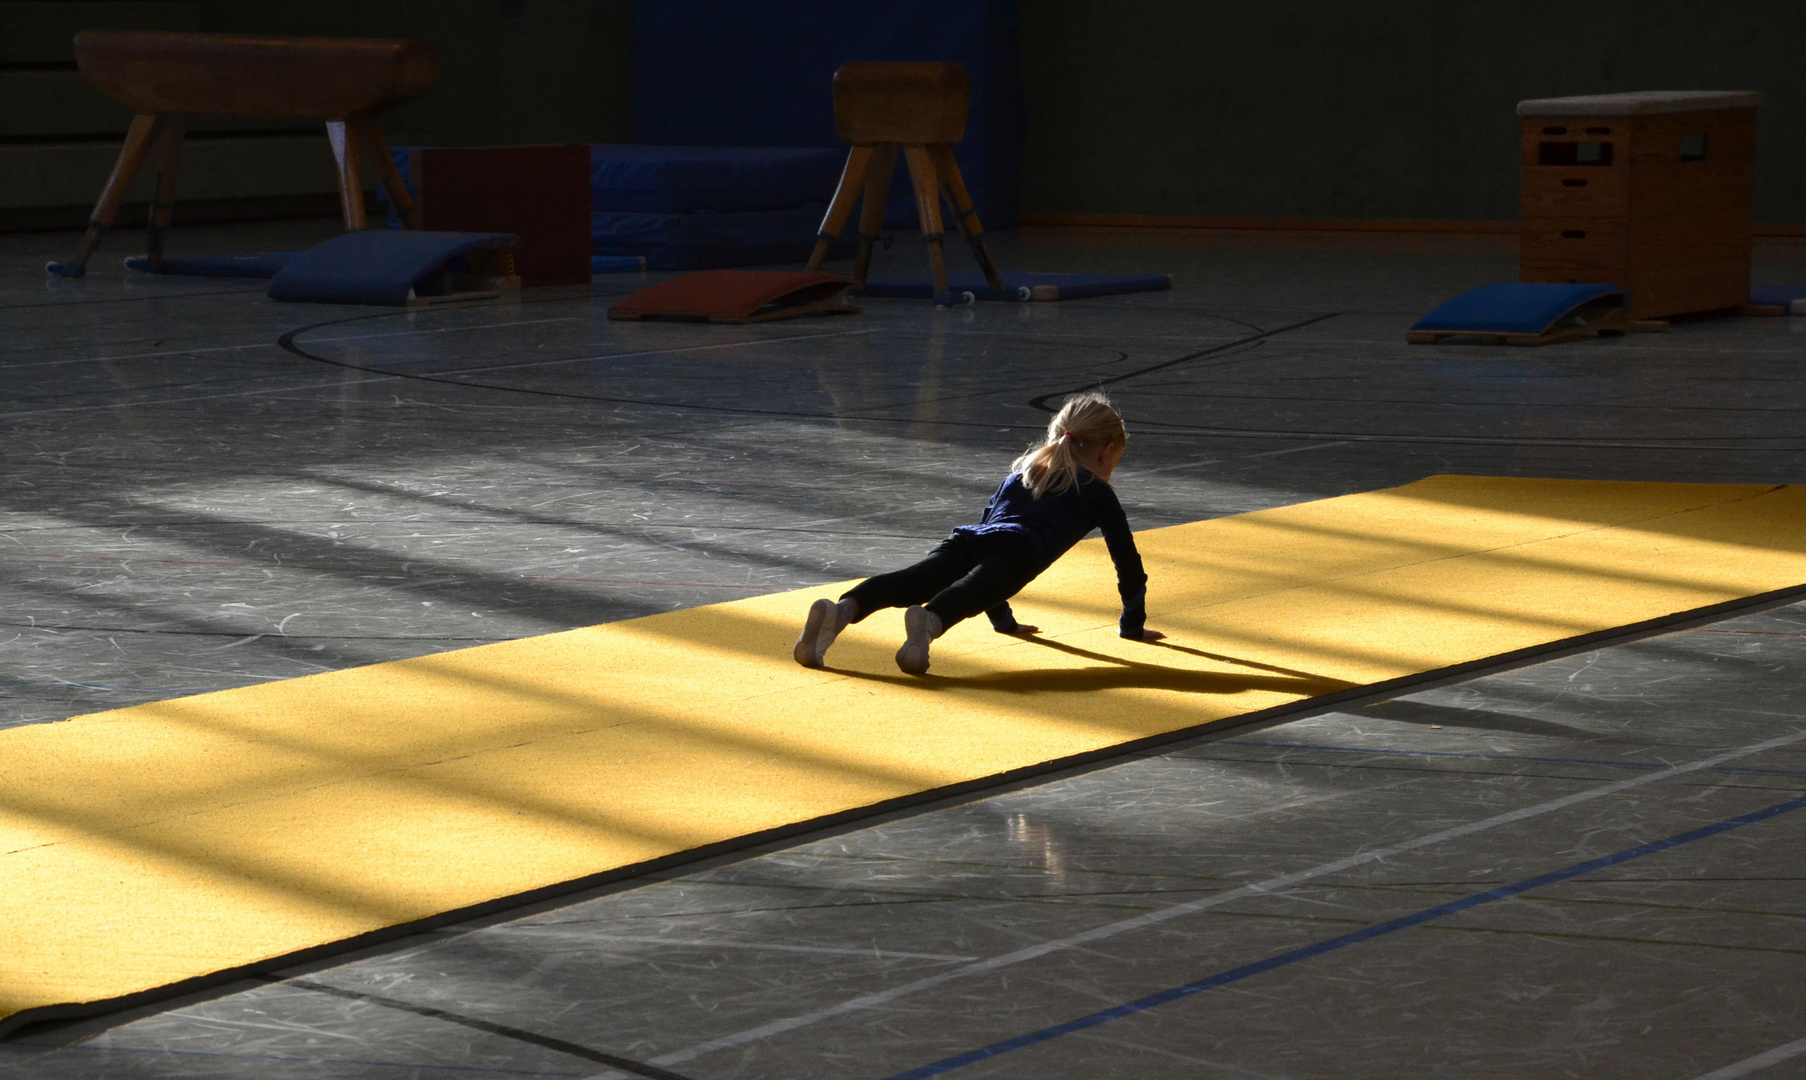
[1289, 108]
[1381, 109]
[509, 72]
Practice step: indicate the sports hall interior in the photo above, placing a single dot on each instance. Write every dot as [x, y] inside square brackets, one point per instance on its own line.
[397, 668]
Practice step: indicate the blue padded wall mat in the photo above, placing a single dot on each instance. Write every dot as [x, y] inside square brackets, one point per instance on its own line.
[263, 264]
[1512, 307]
[1020, 285]
[1776, 295]
[706, 241]
[376, 266]
[731, 73]
[677, 179]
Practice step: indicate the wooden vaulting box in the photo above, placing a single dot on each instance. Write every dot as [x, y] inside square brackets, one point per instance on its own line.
[1650, 191]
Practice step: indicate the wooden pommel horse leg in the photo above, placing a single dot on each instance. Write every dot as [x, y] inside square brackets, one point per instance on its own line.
[162, 76]
[919, 109]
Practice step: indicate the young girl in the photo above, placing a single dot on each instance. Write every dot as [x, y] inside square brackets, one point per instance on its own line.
[1054, 495]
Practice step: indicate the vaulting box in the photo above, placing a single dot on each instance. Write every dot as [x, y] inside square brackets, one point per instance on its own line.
[1650, 191]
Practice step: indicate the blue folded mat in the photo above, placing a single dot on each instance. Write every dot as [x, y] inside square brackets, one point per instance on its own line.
[377, 266]
[1513, 307]
[1021, 285]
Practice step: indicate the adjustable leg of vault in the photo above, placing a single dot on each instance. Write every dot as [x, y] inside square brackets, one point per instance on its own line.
[852, 178]
[928, 208]
[871, 208]
[964, 214]
[144, 130]
[167, 151]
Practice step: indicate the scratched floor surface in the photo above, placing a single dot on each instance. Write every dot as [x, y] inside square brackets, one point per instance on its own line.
[1587, 867]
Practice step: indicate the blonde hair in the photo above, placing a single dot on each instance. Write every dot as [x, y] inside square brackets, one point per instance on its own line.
[1083, 422]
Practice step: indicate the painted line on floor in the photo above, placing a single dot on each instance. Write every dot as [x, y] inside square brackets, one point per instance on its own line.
[554, 930]
[507, 1031]
[1356, 937]
[1760, 1061]
[1259, 888]
[1484, 757]
[417, 1066]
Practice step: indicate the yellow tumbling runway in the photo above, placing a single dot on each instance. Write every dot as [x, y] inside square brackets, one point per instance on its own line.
[148, 846]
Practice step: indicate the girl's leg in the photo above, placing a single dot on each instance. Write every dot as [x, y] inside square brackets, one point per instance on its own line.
[1004, 566]
[952, 559]
[1000, 573]
[901, 588]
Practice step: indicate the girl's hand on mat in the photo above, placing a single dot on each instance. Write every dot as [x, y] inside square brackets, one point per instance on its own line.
[1024, 628]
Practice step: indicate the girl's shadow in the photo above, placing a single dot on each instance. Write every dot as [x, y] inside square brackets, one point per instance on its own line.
[1116, 673]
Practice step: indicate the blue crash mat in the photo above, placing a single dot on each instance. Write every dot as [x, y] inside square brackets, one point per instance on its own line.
[1021, 285]
[377, 266]
[1512, 307]
[263, 264]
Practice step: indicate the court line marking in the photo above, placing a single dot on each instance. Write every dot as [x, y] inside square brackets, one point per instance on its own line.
[601, 940]
[1760, 1061]
[92, 1048]
[1161, 915]
[1342, 941]
[1530, 758]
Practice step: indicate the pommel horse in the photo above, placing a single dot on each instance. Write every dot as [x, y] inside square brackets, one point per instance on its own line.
[920, 108]
[162, 76]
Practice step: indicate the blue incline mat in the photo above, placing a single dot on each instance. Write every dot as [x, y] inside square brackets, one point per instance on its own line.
[263, 264]
[1512, 307]
[1021, 285]
[378, 266]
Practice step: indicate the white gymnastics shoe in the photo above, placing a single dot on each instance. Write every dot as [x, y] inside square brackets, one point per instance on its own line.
[825, 622]
[920, 626]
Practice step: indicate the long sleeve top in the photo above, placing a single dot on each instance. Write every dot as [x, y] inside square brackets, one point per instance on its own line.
[1055, 522]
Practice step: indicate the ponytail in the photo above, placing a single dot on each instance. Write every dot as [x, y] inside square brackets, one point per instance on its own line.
[1084, 421]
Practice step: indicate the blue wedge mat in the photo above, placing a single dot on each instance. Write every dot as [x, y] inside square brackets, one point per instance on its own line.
[1021, 285]
[376, 266]
[263, 264]
[1776, 295]
[1512, 307]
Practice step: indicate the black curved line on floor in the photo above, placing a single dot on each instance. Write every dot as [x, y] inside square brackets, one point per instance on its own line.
[127, 299]
[1678, 445]
[287, 343]
[1041, 402]
[628, 1065]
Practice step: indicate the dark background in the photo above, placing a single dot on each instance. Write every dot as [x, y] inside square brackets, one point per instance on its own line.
[1287, 108]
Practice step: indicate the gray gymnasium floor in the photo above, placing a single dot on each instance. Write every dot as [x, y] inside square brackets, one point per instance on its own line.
[205, 489]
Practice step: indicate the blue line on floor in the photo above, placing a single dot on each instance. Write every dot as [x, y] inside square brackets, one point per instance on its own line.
[1355, 937]
[1493, 757]
[416, 1065]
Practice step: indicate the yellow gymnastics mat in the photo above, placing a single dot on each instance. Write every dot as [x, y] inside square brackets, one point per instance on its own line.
[146, 848]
